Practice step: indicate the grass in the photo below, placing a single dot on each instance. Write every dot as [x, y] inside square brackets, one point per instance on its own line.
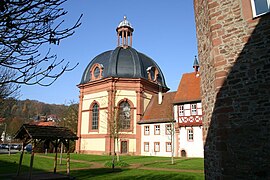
[9, 164]
[187, 163]
[121, 174]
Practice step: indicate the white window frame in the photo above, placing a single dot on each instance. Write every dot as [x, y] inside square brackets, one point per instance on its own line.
[146, 130]
[193, 110]
[146, 146]
[168, 129]
[168, 147]
[254, 8]
[181, 110]
[190, 134]
[157, 146]
[157, 129]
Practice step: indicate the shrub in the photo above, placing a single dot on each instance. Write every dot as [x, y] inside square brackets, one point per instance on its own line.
[116, 164]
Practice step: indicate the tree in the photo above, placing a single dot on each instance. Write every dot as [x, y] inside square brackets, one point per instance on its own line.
[70, 116]
[70, 119]
[171, 131]
[25, 26]
[7, 89]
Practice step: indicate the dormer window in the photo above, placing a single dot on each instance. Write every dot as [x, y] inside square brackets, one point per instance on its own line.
[96, 72]
[152, 73]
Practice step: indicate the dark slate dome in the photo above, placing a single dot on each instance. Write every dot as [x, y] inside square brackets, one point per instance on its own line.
[124, 63]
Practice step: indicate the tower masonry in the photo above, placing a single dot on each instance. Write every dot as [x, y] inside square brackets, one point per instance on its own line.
[233, 48]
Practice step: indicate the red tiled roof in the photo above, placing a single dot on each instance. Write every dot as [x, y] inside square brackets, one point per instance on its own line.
[188, 89]
[42, 123]
[159, 112]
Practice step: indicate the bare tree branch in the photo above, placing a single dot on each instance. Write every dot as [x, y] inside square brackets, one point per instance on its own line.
[25, 26]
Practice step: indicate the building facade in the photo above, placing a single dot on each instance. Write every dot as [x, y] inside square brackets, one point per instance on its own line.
[188, 115]
[172, 122]
[233, 46]
[158, 127]
[115, 89]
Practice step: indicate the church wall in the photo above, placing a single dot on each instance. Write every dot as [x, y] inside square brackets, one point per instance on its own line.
[132, 146]
[122, 94]
[132, 97]
[146, 100]
[93, 144]
[85, 123]
[102, 99]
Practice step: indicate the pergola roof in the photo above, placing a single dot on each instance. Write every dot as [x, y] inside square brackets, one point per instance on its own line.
[29, 131]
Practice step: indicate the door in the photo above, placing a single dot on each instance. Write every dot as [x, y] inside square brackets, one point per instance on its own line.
[124, 147]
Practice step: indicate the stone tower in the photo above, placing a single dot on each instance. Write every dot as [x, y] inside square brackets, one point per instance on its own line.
[233, 47]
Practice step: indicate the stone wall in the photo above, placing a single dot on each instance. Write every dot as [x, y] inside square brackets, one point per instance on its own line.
[234, 52]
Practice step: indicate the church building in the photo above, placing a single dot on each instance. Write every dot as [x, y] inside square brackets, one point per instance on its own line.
[115, 89]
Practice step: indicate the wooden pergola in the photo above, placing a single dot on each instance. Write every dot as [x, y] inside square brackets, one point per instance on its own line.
[36, 134]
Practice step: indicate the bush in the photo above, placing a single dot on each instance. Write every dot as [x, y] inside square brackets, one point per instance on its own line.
[116, 164]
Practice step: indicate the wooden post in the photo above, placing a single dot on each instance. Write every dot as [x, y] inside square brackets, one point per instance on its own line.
[21, 158]
[61, 154]
[32, 159]
[55, 158]
[68, 159]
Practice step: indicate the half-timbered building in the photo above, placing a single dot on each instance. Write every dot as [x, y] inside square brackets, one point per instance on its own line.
[188, 115]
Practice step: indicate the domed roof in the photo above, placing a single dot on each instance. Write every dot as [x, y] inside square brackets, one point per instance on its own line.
[124, 63]
[125, 22]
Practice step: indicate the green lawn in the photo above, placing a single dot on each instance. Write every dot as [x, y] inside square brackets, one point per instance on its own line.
[130, 174]
[9, 164]
[184, 163]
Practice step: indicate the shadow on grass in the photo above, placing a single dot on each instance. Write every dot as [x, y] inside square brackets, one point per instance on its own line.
[90, 173]
[9, 169]
[106, 173]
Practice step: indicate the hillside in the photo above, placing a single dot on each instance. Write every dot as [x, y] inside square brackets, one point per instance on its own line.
[17, 112]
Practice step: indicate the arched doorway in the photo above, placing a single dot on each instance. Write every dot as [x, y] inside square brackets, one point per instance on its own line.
[183, 153]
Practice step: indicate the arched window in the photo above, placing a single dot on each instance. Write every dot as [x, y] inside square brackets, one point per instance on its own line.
[124, 115]
[95, 116]
[153, 74]
[96, 72]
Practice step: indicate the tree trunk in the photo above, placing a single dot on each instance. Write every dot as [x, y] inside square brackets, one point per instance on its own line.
[172, 142]
[20, 162]
[32, 160]
[55, 158]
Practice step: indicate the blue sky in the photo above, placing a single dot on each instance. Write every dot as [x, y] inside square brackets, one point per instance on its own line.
[163, 30]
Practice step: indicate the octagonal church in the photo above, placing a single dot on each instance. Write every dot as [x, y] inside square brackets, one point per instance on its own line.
[115, 89]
